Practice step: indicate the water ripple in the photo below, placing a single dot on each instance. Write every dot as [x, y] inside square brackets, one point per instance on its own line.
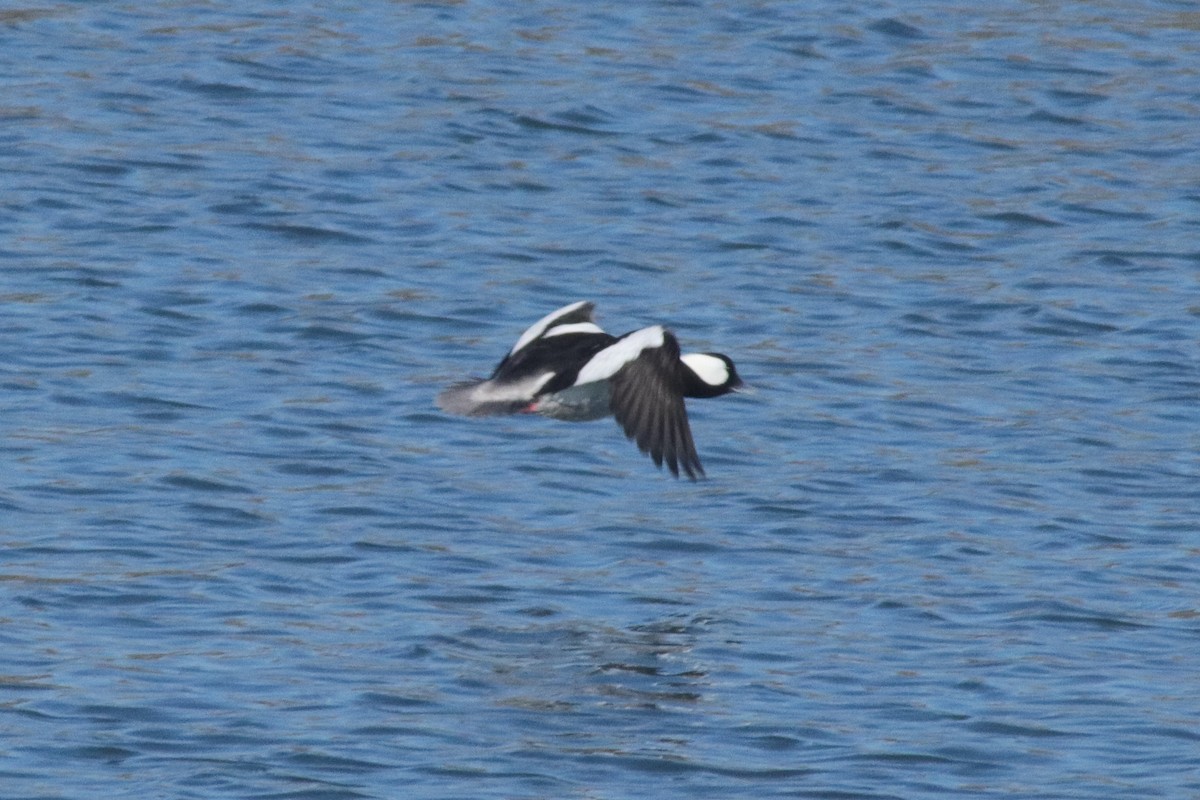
[947, 544]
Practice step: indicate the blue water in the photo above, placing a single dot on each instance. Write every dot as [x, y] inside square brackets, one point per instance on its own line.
[949, 546]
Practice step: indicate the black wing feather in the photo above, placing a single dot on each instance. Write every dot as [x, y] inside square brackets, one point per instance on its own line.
[582, 314]
[647, 400]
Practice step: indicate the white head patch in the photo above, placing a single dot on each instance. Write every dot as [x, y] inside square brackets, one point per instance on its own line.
[709, 369]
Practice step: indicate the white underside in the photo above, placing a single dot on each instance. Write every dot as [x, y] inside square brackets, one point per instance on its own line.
[491, 392]
[488, 397]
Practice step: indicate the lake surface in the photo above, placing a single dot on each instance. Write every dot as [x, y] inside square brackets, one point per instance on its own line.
[949, 546]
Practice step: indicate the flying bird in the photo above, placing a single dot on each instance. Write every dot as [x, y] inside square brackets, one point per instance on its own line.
[565, 367]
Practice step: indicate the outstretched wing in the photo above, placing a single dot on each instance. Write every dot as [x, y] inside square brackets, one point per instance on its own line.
[573, 314]
[647, 400]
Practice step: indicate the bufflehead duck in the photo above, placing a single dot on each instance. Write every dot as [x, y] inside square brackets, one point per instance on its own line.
[564, 366]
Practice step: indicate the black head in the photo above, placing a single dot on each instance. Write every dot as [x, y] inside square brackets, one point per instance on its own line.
[708, 375]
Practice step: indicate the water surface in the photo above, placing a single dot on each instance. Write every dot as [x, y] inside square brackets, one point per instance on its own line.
[948, 545]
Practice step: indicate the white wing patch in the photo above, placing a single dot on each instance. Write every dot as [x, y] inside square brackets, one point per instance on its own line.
[574, 327]
[538, 328]
[609, 361]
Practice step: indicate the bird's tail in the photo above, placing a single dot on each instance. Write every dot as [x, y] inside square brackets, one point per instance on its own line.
[473, 399]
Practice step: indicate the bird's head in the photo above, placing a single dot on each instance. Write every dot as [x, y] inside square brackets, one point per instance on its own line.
[709, 375]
